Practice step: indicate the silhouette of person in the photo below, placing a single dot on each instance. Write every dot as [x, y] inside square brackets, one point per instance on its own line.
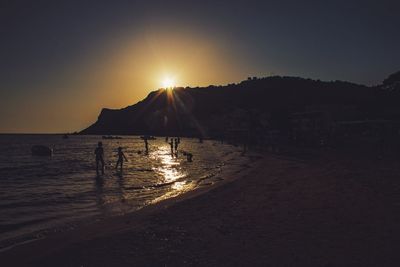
[176, 144]
[146, 145]
[99, 152]
[171, 143]
[121, 157]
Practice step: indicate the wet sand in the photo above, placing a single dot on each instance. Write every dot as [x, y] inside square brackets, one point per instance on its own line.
[317, 210]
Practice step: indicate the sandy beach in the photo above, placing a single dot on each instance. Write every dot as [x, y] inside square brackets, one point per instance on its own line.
[322, 209]
[199, 133]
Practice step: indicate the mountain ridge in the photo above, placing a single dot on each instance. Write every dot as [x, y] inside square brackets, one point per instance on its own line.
[266, 102]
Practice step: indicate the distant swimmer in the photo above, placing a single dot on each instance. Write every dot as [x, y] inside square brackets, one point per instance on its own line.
[99, 152]
[121, 157]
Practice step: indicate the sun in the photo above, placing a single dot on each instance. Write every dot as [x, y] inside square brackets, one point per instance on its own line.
[168, 83]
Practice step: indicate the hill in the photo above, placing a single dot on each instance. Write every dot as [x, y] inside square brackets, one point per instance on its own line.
[255, 105]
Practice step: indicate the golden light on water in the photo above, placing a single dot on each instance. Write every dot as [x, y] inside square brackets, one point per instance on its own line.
[169, 169]
[170, 172]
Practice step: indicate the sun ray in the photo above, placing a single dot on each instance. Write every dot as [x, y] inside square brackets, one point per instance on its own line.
[168, 82]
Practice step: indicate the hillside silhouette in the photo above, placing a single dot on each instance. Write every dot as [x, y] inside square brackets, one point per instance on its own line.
[255, 106]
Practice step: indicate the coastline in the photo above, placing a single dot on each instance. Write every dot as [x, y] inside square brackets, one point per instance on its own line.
[116, 222]
[276, 212]
[55, 206]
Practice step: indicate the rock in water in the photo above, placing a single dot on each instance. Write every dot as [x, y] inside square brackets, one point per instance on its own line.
[40, 150]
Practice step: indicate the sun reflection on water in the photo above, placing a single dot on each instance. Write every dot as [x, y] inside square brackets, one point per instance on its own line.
[171, 173]
[170, 169]
[179, 185]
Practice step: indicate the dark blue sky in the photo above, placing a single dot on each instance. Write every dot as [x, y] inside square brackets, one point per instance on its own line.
[44, 43]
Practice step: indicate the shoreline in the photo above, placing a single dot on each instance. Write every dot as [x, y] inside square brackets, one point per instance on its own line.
[115, 207]
[152, 207]
[332, 211]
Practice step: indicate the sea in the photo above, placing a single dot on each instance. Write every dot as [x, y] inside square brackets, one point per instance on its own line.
[43, 195]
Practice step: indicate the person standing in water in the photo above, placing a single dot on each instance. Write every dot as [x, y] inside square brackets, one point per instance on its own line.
[99, 152]
[176, 145]
[146, 145]
[171, 143]
[121, 157]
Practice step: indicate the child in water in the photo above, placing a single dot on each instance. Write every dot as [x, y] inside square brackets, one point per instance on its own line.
[99, 152]
[121, 157]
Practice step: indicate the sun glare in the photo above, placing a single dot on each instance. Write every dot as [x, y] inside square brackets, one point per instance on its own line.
[168, 83]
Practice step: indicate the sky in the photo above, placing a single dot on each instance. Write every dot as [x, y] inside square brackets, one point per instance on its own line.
[61, 62]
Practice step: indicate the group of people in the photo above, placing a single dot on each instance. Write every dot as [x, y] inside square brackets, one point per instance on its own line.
[174, 143]
[99, 152]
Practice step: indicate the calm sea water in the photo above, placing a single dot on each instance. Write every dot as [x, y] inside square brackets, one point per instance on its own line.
[39, 195]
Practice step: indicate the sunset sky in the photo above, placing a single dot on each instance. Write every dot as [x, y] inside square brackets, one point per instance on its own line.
[62, 61]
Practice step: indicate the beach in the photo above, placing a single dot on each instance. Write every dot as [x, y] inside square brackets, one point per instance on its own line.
[322, 209]
[199, 133]
[42, 195]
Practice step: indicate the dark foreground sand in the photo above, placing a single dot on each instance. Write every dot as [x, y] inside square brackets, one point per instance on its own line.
[323, 211]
